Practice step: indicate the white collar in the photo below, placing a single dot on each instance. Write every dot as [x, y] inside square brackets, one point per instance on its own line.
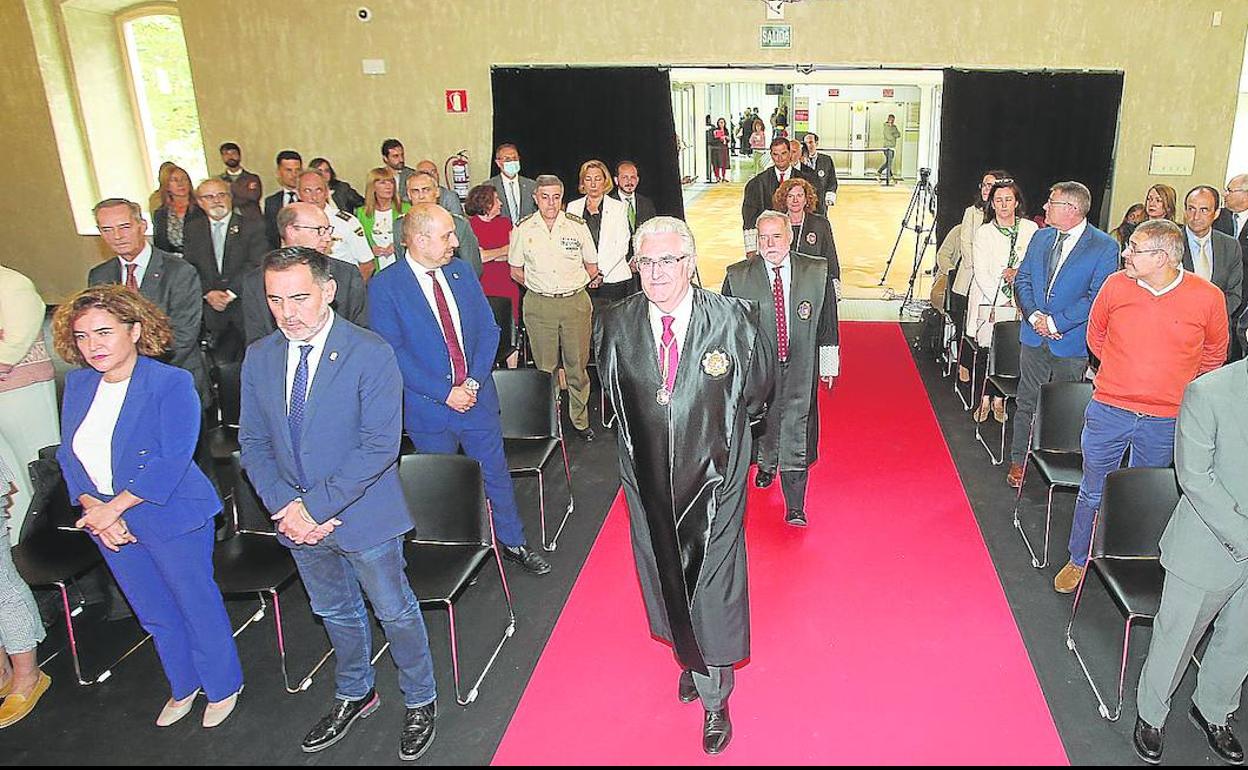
[1076, 232]
[140, 262]
[1172, 285]
[317, 340]
[682, 312]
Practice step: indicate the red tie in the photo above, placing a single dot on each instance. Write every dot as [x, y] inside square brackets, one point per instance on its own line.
[459, 367]
[782, 318]
[669, 355]
[131, 283]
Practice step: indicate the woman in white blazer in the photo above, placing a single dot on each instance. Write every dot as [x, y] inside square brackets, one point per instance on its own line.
[607, 220]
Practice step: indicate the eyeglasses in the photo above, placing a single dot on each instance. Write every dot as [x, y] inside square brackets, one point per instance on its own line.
[1051, 202]
[1232, 190]
[322, 230]
[667, 261]
[1131, 248]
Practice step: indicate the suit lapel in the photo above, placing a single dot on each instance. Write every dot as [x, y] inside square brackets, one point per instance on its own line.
[1081, 245]
[326, 370]
[153, 277]
[132, 409]
[274, 359]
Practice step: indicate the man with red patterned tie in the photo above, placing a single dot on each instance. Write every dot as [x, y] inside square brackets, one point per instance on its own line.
[797, 306]
[760, 190]
[432, 311]
[686, 370]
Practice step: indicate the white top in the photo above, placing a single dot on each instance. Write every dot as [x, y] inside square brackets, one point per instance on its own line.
[681, 313]
[383, 230]
[349, 244]
[317, 341]
[1165, 289]
[93, 441]
[140, 265]
[1072, 237]
[426, 286]
[986, 300]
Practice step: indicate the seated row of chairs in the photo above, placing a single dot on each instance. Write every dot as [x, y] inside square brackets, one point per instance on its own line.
[451, 541]
[1136, 505]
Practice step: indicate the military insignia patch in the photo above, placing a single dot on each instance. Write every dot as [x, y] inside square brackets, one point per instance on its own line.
[822, 173]
[810, 238]
[716, 363]
[344, 216]
[803, 310]
[233, 229]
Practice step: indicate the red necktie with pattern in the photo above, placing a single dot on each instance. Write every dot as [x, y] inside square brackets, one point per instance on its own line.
[131, 283]
[459, 366]
[669, 355]
[782, 317]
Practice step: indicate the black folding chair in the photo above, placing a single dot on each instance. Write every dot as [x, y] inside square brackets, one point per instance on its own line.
[452, 540]
[507, 344]
[532, 432]
[222, 438]
[250, 560]
[1054, 450]
[52, 554]
[966, 343]
[1125, 555]
[1003, 376]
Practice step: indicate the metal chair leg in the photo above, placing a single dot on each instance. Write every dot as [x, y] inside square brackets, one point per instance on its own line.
[553, 543]
[507, 634]
[73, 643]
[306, 681]
[1038, 561]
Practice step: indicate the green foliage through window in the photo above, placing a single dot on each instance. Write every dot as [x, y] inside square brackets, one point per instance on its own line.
[165, 92]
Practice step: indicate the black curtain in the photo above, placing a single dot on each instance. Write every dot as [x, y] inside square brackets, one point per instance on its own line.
[560, 118]
[1044, 127]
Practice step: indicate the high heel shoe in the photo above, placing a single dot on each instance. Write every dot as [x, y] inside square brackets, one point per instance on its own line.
[218, 712]
[174, 710]
[981, 414]
[998, 412]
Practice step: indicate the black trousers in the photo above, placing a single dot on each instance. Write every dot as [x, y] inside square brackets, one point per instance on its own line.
[793, 485]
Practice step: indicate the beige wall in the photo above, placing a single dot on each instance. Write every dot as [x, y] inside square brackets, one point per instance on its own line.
[287, 74]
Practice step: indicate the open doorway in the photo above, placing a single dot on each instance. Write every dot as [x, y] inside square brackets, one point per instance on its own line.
[847, 110]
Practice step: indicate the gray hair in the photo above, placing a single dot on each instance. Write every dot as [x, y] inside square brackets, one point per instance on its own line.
[1076, 193]
[768, 215]
[660, 225]
[1165, 235]
[418, 219]
[136, 211]
[548, 180]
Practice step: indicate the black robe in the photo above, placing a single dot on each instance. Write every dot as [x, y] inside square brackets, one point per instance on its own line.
[790, 437]
[814, 239]
[684, 466]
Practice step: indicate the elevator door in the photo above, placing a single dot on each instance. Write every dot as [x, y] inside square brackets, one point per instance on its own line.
[877, 114]
[686, 129]
[835, 122]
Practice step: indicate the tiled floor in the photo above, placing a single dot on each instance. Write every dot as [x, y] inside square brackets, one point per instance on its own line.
[865, 221]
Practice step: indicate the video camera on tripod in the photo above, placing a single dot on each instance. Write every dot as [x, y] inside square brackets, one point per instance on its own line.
[922, 205]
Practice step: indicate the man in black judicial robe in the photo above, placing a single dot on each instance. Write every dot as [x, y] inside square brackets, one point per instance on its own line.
[803, 323]
[686, 370]
[759, 191]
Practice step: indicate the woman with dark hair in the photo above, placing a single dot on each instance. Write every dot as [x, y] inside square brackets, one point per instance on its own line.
[493, 230]
[812, 233]
[342, 193]
[719, 153]
[129, 426]
[1000, 243]
[960, 283]
[1161, 202]
[176, 207]
[1134, 216]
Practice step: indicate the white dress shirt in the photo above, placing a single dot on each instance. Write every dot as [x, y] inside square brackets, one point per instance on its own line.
[680, 325]
[317, 341]
[1072, 237]
[93, 441]
[140, 265]
[349, 244]
[426, 286]
[829, 355]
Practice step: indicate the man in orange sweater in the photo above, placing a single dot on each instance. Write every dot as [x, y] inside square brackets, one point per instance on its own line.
[1155, 327]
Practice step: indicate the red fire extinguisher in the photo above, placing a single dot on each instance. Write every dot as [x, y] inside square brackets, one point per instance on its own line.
[456, 172]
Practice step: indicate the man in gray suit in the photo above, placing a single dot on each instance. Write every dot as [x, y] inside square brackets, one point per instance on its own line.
[1205, 553]
[515, 191]
[446, 199]
[422, 187]
[1213, 255]
[167, 280]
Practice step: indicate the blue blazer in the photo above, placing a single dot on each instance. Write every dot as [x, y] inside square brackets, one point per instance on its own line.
[1093, 259]
[153, 449]
[399, 312]
[349, 450]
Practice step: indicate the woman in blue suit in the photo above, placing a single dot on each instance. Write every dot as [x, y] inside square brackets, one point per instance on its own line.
[129, 425]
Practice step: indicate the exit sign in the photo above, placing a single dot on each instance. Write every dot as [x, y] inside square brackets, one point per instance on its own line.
[457, 100]
[888, 93]
[834, 92]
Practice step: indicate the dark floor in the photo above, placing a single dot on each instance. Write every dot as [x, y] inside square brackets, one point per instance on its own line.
[111, 723]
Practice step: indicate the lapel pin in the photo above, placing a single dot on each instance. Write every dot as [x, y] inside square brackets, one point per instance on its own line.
[455, 276]
[333, 355]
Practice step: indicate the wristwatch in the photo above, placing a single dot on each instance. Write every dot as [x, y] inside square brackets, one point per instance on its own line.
[471, 384]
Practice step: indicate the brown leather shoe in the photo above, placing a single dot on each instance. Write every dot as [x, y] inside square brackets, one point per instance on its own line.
[1015, 477]
[1068, 579]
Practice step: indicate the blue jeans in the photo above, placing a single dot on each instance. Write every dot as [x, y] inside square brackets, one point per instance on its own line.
[333, 578]
[1107, 433]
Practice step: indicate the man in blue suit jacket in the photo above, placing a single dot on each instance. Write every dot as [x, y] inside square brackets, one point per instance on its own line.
[432, 311]
[1061, 273]
[319, 432]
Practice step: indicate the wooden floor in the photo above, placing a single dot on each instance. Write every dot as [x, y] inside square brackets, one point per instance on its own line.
[865, 222]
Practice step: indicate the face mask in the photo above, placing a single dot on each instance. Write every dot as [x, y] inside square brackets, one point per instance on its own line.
[511, 167]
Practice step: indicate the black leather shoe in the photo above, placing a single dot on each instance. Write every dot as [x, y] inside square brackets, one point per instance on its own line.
[334, 726]
[716, 731]
[418, 731]
[763, 479]
[527, 558]
[795, 517]
[587, 434]
[688, 691]
[1221, 739]
[1147, 741]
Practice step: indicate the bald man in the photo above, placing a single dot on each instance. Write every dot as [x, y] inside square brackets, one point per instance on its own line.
[223, 247]
[348, 243]
[446, 199]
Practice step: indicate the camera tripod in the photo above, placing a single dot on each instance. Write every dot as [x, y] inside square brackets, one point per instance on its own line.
[922, 204]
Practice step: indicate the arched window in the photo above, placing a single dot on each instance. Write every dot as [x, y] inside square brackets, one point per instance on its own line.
[163, 94]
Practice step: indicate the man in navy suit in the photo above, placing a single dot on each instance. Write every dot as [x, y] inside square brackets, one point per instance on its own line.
[320, 427]
[1060, 275]
[432, 311]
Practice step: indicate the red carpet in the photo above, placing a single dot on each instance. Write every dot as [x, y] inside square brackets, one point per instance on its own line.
[880, 633]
